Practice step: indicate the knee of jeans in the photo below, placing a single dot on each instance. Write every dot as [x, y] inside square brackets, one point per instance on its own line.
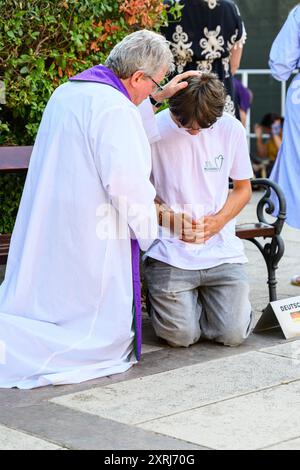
[182, 338]
[234, 336]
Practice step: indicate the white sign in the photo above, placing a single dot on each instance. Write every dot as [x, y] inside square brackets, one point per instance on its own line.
[283, 313]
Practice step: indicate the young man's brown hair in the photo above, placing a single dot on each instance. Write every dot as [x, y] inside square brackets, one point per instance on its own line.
[201, 102]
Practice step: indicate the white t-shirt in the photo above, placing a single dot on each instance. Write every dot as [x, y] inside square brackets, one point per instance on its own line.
[191, 174]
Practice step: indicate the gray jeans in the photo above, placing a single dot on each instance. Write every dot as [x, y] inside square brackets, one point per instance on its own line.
[186, 304]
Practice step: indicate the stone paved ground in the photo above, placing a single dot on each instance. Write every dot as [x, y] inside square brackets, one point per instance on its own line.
[203, 397]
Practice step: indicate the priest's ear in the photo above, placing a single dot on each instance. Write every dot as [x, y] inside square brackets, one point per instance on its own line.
[136, 78]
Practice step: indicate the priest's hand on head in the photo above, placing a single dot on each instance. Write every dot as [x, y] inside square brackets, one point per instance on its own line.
[173, 86]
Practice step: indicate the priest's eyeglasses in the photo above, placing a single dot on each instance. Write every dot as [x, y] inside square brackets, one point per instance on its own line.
[158, 86]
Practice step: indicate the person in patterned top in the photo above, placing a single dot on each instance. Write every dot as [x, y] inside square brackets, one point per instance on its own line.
[209, 37]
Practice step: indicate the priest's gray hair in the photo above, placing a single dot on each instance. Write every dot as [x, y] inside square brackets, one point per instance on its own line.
[142, 50]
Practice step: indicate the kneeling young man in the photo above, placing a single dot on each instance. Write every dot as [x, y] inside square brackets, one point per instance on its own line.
[197, 284]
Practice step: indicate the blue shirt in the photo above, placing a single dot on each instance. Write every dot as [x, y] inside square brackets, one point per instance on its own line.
[285, 51]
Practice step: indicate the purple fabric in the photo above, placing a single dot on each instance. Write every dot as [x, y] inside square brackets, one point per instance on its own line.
[101, 74]
[242, 94]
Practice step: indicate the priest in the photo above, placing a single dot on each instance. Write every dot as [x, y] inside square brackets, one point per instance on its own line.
[70, 305]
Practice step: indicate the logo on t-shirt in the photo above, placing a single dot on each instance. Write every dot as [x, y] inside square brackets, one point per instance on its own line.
[215, 165]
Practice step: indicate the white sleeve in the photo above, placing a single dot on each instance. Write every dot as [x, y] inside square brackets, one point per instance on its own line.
[149, 121]
[241, 168]
[285, 51]
[123, 159]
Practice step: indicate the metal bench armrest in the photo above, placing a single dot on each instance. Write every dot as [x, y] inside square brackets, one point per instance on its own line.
[266, 203]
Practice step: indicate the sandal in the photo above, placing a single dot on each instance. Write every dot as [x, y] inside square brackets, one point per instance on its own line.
[295, 281]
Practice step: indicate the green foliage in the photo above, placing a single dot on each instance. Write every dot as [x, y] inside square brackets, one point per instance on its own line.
[11, 187]
[43, 43]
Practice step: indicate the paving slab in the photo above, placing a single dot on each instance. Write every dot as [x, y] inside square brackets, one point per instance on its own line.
[75, 430]
[10, 439]
[288, 445]
[290, 349]
[148, 348]
[250, 422]
[154, 362]
[163, 394]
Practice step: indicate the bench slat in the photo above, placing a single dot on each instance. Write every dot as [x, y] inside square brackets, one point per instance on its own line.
[256, 230]
[4, 247]
[15, 159]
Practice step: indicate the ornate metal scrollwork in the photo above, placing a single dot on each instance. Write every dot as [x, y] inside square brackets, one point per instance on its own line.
[272, 201]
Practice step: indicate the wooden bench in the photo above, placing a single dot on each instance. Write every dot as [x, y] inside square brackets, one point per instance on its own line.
[16, 159]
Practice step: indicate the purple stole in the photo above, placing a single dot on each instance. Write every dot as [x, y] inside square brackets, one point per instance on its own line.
[103, 75]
